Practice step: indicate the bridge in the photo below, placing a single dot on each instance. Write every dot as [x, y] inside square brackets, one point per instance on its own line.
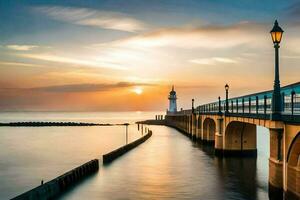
[230, 125]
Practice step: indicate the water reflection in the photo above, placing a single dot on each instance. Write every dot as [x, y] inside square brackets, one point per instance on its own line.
[170, 166]
[235, 174]
[167, 166]
[30, 154]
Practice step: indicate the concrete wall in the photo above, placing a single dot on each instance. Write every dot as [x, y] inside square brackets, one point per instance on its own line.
[109, 157]
[55, 187]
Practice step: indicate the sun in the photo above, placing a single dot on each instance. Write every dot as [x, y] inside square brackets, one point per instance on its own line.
[138, 90]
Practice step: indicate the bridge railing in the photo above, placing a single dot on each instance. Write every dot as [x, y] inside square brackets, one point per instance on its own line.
[259, 104]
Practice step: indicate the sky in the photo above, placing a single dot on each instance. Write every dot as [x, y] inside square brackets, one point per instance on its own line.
[116, 55]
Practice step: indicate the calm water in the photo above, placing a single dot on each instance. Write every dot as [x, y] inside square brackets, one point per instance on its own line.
[167, 166]
[30, 154]
[170, 166]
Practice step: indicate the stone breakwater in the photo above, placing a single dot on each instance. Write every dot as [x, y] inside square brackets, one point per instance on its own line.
[55, 187]
[109, 157]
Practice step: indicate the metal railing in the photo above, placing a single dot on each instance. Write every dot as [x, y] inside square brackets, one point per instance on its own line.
[258, 104]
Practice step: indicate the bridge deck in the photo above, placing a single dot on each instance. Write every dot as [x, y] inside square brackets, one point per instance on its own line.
[257, 105]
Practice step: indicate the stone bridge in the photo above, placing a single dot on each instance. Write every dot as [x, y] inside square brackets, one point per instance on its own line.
[230, 125]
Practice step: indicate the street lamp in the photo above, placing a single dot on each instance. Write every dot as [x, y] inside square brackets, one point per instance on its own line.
[276, 34]
[226, 107]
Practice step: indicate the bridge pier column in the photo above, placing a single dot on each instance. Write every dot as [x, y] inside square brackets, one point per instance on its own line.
[219, 137]
[186, 123]
[276, 163]
[189, 125]
[183, 123]
[202, 131]
[192, 126]
[199, 127]
[195, 127]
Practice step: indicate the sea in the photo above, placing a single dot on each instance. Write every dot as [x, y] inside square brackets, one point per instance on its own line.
[167, 166]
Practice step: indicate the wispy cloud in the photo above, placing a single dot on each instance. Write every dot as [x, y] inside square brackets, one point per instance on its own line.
[72, 88]
[21, 47]
[213, 61]
[95, 18]
[209, 36]
[91, 62]
[18, 64]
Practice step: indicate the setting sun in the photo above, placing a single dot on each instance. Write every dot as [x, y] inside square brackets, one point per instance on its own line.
[138, 90]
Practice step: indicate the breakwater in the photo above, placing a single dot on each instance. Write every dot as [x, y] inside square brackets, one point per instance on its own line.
[57, 186]
[152, 122]
[109, 157]
[164, 122]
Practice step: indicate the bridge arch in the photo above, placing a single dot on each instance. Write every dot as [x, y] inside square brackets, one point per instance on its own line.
[240, 138]
[209, 130]
[293, 166]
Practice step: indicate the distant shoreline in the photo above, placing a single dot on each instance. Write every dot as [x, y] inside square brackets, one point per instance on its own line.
[40, 124]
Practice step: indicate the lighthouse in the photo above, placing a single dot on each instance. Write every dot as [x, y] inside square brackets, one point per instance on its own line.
[172, 101]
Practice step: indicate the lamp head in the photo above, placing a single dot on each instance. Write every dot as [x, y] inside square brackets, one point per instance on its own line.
[276, 33]
[226, 87]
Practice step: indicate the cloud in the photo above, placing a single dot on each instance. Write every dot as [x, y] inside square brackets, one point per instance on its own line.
[171, 46]
[91, 62]
[18, 64]
[209, 36]
[21, 47]
[94, 18]
[213, 61]
[87, 87]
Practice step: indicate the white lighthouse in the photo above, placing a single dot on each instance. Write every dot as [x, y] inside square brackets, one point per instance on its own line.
[172, 101]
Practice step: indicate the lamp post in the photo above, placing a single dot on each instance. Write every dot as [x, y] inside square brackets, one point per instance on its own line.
[276, 34]
[226, 106]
